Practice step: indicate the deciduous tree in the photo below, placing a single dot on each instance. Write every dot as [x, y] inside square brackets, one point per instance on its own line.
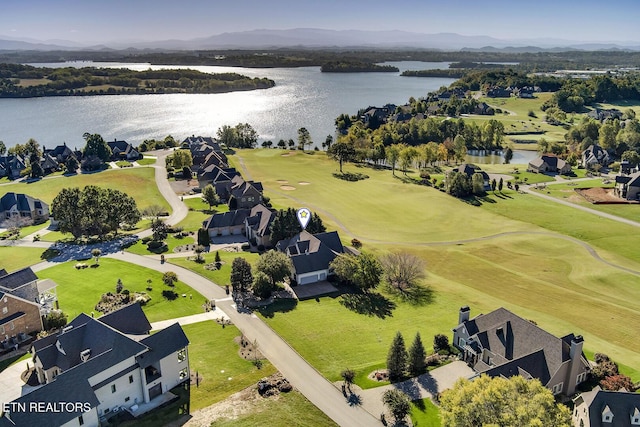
[503, 402]
[262, 286]
[398, 403]
[402, 270]
[169, 278]
[275, 265]
[96, 146]
[342, 152]
[209, 195]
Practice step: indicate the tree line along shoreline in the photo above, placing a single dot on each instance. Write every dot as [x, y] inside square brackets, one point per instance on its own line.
[26, 81]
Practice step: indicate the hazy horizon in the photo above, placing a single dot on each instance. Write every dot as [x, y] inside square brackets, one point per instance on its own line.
[146, 20]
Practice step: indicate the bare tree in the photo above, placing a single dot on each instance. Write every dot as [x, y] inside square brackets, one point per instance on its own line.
[403, 270]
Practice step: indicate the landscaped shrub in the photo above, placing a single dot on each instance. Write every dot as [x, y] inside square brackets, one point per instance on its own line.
[146, 239]
[440, 342]
[356, 243]
[169, 294]
[55, 319]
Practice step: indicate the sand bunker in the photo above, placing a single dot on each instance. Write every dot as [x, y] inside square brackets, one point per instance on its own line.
[304, 183]
[282, 181]
[287, 188]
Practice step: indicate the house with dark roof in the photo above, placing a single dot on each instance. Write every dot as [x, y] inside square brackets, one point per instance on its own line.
[61, 153]
[49, 164]
[602, 408]
[549, 164]
[601, 114]
[104, 369]
[470, 170]
[18, 205]
[247, 193]
[12, 166]
[628, 186]
[595, 155]
[311, 255]
[122, 150]
[219, 177]
[230, 223]
[484, 109]
[499, 92]
[258, 225]
[502, 344]
[24, 284]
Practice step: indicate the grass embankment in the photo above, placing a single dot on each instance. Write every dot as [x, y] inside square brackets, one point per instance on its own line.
[425, 414]
[287, 409]
[543, 277]
[138, 183]
[15, 258]
[198, 212]
[220, 277]
[80, 290]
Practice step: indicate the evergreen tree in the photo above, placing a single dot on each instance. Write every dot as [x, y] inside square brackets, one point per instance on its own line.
[417, 355]
[241, 277]
[209, 195]
[397, 359]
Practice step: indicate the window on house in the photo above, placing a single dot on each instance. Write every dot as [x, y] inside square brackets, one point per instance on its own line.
[182, 355]
[581, 377]
[557, 388]
[130, 379]
[183, 374]
[12, 326]
[81, 420]
[113, 388]
[4, 310]
[2, 329]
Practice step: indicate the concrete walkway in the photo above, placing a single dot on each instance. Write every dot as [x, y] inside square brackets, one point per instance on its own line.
[426, 385]
[11, 385]
[214, 315]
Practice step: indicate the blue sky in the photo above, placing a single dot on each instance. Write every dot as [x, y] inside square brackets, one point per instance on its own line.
[113, 20]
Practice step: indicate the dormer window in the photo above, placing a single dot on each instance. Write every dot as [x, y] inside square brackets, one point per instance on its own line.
[607, 415]
[635, 417]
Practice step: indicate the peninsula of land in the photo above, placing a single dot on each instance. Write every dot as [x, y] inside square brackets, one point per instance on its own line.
[25, 81]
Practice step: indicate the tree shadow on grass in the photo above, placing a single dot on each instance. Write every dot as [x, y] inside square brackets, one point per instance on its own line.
[278, 306]
[371, 304]
[415, 295]
[349, 176]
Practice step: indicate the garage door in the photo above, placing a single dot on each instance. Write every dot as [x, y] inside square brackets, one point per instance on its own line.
[308, 279]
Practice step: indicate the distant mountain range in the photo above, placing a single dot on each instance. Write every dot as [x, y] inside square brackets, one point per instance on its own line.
[319, 38]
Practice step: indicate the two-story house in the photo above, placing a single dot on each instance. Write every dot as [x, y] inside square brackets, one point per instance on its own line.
[102, 366]
[503, 344]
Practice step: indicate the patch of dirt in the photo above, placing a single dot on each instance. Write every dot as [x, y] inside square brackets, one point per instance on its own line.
[240, 403]
[287, 187]
[304, 183]
[599, 195]
[282, 181]
[247, 350]
[290, 153]
[379, 375]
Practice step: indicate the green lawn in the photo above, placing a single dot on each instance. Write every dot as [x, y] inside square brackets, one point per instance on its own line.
[80, 290]
[567, 192]
[146, 161]
[425, 414]
[15, 258]
[220, 277]
[199, 212]
[213, 354]
[138, 183]
[287, 409]
[368, 209]
[553, 281]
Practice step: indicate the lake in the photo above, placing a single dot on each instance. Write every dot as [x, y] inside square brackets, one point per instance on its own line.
[302, 97]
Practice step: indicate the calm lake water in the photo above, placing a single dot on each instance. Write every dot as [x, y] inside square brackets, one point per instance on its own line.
[302, 97]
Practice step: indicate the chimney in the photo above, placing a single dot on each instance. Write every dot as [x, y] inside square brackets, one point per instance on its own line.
[576, 347]
[463, 316]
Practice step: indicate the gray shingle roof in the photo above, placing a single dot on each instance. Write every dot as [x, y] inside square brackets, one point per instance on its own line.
[309, 252]
[227, 219]
[162, 344]
[260, 219]
[621, 404]
[128, 320]
[512, 338]
[17, 278]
